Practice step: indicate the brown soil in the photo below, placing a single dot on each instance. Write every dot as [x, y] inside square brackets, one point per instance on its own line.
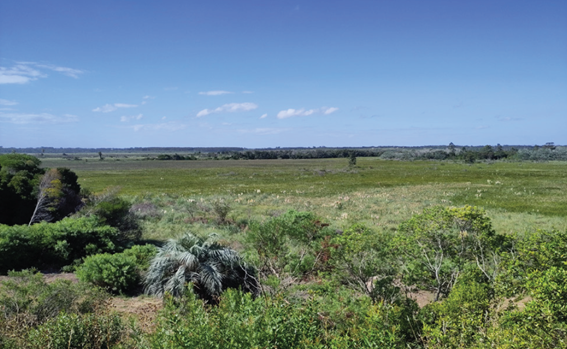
[143, 309]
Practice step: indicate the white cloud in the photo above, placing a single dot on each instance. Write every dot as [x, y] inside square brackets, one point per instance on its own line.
[24, 72]
[164, 117]
[42, 118]
[124, 105]
[169, 126]
[228, 108]
[19, 74]
[303, 112]
[133, 117]
[264, 116]
[107, 108]
[215, 93]
[247, 92]
[7, 102]
[329, 110]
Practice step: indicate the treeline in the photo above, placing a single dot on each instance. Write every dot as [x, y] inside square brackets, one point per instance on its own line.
[451, 152]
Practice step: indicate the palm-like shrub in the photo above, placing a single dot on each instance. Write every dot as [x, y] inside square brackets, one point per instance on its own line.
[209, 266]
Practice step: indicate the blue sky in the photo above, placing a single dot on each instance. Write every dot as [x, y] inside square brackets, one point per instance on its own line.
[271, 73]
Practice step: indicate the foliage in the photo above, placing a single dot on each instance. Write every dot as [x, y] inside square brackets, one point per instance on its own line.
[240, 321]
[364, 260]
[89, 331]
[27, 301]
[292, 242]
[116, 273]
[529, 255]
[441, 243]
[221, 208]
[462, 319]
[210, 267]
[143, 254]
[114, 211]
[54, 244]
[19, 175]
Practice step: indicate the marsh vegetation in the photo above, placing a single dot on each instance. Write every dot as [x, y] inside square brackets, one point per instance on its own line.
[294, 253]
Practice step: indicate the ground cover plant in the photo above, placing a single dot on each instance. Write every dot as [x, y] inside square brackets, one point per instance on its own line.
[380, 253]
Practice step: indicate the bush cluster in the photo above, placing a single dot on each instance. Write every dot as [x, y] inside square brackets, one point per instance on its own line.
[54, 245]
[119, 272]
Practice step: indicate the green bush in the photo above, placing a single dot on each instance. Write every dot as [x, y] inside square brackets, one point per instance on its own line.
[90, 331]
[440, 243]
[143, 255]
[27, 301]
[114, 211]
[241, 321]
[116, 273]
[292, 242]
[53, 245]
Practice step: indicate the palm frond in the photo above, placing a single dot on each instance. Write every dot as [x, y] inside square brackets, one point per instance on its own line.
[210, 266]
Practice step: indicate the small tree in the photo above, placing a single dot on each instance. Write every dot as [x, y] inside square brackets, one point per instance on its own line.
[210, 267]
[366, 262]
[48, 192]
[441, 242]
[352, 158]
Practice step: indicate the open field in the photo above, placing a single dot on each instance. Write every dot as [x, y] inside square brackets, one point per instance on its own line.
[518, 196]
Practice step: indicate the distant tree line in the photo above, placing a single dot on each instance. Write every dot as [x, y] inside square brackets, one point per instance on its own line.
[451, 152]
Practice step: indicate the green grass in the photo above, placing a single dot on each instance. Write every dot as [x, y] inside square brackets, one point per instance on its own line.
[519, 187]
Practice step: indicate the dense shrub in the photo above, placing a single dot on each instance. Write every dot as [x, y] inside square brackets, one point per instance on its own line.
[27, 301]
[116, 273]
[292, 242]
[240, 321]
[441, 243]
[142, 254]
[90, 331]
[112, 210]
[19, 176]
[54, 245]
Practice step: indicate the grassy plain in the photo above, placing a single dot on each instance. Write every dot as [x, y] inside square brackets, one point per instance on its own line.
[518, 196]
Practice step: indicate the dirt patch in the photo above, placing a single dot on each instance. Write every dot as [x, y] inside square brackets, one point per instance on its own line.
[422, 298]
[143, 309]
[51, 277]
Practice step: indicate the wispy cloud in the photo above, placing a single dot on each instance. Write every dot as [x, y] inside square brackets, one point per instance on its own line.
[129, 118]
[168, 126]
[228, 108]
[74, 73]
[508, 119]
[145, 99]
[107, 108]
[24, 72]
[7, 102]
[264, 130]
[215, 93]
[247, 92]
[303, 112]
[19, 74]
[264, 116]
[41, 118]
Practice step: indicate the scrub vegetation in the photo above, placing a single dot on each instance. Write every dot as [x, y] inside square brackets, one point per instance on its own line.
[344, 252]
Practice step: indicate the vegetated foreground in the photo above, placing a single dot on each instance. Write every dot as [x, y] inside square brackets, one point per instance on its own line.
[325, 255]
